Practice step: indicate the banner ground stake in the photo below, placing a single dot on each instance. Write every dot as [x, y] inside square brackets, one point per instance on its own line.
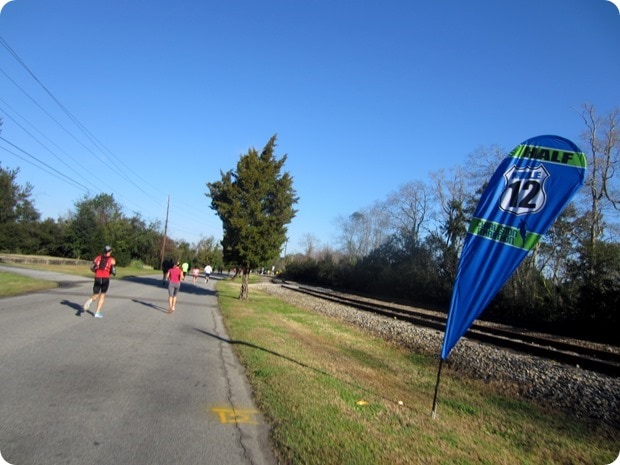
[437, 389]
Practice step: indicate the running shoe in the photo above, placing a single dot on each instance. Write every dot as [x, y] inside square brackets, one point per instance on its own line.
[98, 315]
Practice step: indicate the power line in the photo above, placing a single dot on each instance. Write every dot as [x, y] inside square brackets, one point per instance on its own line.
[51, 168]
[39, 142]
[43, 145]
[122, 169]
[114, 161]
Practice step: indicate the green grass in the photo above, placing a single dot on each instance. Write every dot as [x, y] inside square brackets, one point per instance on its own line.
[310, 372]
[12, 284]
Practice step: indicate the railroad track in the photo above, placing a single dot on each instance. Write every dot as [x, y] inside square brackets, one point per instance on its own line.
[560, 350]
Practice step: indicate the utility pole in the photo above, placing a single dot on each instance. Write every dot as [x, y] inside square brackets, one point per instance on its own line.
[163, 247]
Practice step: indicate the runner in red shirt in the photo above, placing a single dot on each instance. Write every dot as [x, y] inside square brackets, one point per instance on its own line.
[103, 265]
[175, 276]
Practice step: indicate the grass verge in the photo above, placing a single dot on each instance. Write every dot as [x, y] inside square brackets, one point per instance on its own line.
[12, 284]
[335, 395]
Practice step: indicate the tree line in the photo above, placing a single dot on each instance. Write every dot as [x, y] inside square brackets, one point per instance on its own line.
[404, 247]
[255, 203]
[407, 246]
[83, 231]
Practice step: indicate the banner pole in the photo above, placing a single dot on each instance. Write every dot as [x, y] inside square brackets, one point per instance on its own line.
[437, 389]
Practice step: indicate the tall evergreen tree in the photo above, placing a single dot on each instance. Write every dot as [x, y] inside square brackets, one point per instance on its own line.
[255, 204]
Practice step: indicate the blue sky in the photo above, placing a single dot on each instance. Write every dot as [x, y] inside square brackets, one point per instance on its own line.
[364, 96]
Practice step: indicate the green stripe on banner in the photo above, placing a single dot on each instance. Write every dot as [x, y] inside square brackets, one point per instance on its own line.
[550, 155]
[505, 234]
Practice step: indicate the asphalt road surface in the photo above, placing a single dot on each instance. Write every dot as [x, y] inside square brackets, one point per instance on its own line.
[138, 386]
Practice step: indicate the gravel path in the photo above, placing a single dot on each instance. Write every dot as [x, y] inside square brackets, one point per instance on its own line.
[584, 394]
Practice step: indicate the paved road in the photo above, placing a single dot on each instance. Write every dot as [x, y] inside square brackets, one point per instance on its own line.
[137, 387]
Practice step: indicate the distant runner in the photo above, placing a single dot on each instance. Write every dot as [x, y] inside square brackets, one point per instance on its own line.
[175, 276]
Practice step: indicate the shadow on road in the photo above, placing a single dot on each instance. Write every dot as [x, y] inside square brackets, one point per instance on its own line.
[146, 280]
[79, 309]
[187, 286]
[151, 305]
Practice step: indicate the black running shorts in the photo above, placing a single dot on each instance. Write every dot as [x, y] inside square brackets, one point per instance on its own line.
[101, 285]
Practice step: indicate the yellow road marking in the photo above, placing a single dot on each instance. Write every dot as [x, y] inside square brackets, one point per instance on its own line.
[229, 415]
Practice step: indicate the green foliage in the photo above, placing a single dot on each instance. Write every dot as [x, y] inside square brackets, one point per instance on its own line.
[307, 269]
[255, 204]
[597, 278]
[96, 222]
[208, 251]
[15, 203]
[137, 264]
[51, 236]
[84, 237]
[18, 217]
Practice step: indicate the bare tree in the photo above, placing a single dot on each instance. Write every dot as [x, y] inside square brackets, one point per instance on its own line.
[362, 231]
[409, 210]
[309, 243]
[602, 136]
[558, 247]
[450, 196]
[480, 166]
